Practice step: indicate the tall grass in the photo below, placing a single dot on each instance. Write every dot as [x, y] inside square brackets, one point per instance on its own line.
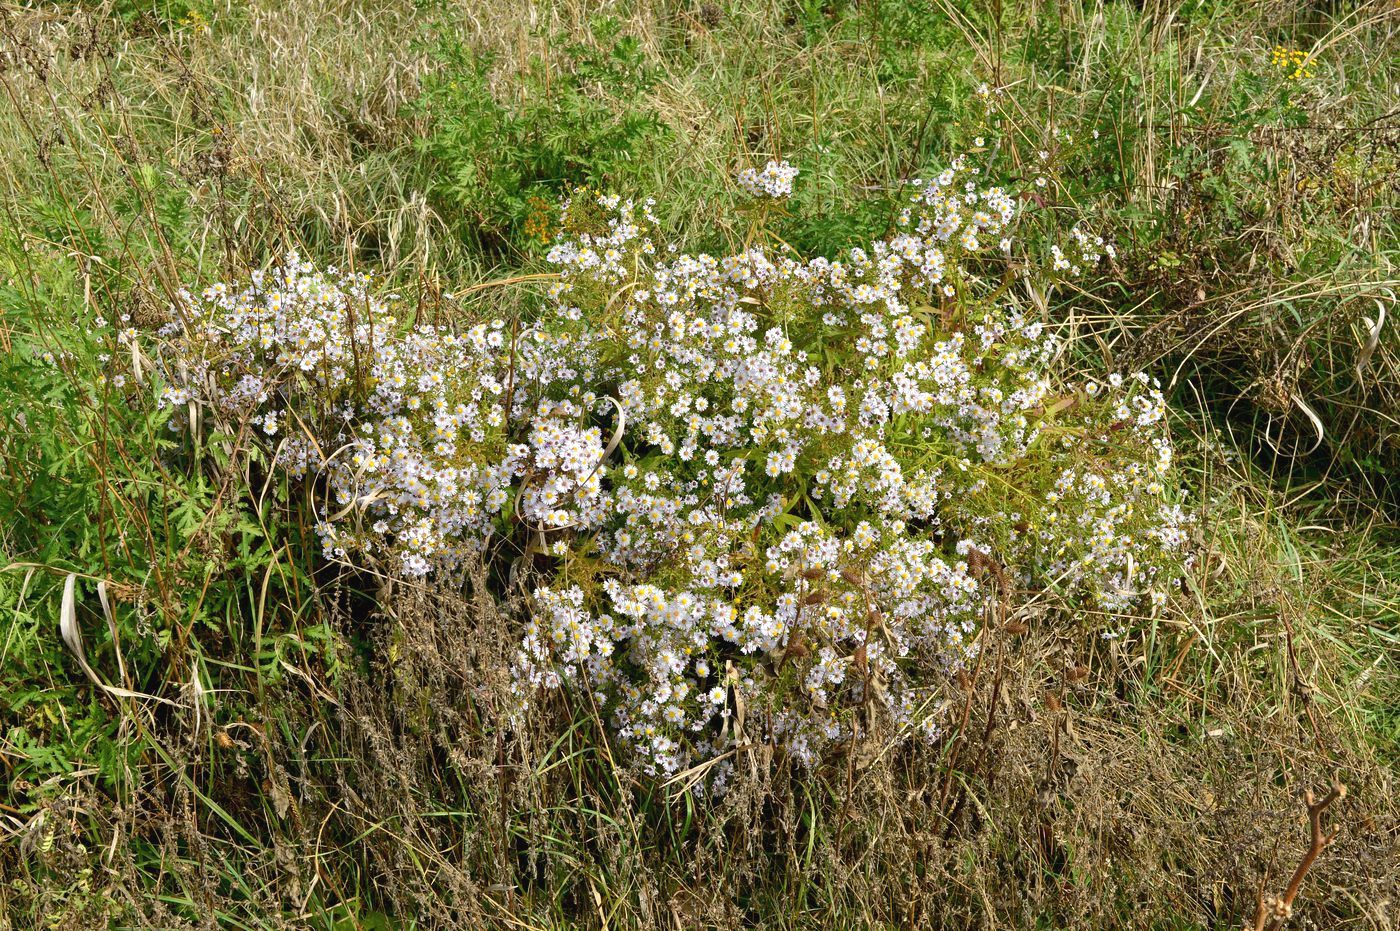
[333, 755]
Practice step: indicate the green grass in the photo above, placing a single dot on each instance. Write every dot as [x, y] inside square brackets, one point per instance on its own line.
[348, 769]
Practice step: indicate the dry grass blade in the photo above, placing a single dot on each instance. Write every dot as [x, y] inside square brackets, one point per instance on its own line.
[73, 636]
[111, 617]
[692, 776]
[612, 443]
[1373, 339]
[1314, 419]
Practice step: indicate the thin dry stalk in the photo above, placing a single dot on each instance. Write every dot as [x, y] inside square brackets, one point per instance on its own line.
[1273, 911]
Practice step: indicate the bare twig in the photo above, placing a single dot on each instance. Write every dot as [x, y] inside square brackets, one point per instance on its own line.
[1274, 910]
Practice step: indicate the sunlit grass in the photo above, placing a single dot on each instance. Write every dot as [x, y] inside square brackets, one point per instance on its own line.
[335, 756]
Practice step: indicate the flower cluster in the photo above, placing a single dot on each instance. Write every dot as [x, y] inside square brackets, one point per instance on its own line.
[774, 181]
[767, 499]
[1295, 63]
[409, 426]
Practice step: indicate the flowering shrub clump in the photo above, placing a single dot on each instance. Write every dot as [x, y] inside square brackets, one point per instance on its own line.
[765, 498]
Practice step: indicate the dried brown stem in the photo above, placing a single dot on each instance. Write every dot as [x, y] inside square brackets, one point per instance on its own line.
[1273, 911]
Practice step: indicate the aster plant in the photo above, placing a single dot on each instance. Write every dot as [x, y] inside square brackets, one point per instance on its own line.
[759, 499]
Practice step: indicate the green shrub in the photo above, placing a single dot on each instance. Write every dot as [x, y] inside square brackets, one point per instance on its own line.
[501, 162]
[828, 472]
